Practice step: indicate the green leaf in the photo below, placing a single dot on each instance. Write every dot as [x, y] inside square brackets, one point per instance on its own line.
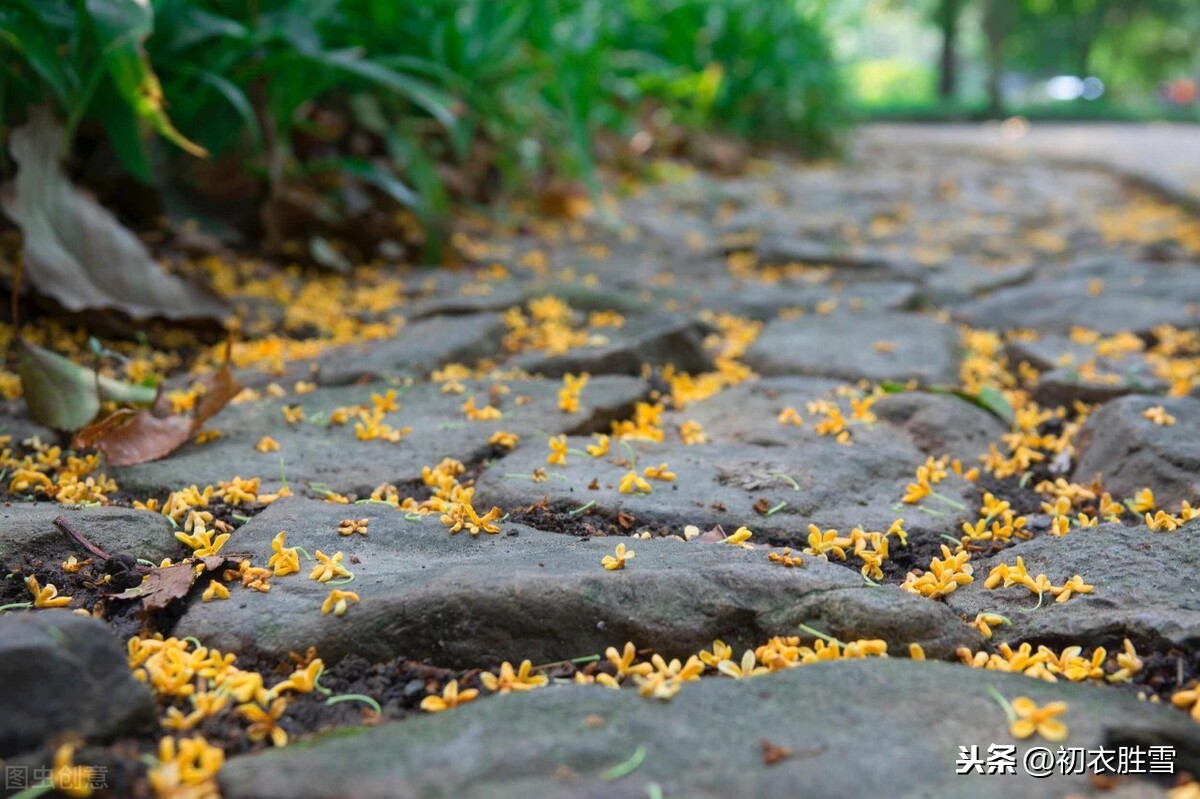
[121, 26]
[412, 89]
[25, 32]
[121, 125]
[63, 395]
[992, 399]
[232, 95]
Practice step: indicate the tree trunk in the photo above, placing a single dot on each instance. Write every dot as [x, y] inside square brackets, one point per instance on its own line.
[995, 28]
[948, 14]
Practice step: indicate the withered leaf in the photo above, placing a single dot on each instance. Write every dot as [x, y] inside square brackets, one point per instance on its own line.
[175, 581]
[762, 506]
[163, 585]
[127, 436]
[75, 249]
[773, 754]
[626, 520]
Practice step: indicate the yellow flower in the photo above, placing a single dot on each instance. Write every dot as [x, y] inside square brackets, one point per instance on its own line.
[916, 492]
[302, 681]
[45, 597]
[202, 543]
[720, 651]
[692, 432]
[215, 590]
[789, 415]
[267, 444]
[206, 436]
[451, 697]
[623, 661]
[739, 538]
[823, 543]
[631, 483]
[476, 414]
[1162, 522]
[385, 403]
[510, 680]
[618, 562]
[72, 565]
[1186, 699]
[484, 522]
[338, 602]
[265, 723]
[1043, 721]
[328, 567]
[188, 766]
[568, 395]
[558, 451]
[659, 472]
[352, 526]
[747, 668]
[1158, 414]
[286, 560]
[67, 778]
[1128, 664]
[1143, 501]
[785, 558]
[1073, 586]
[292, 414]
[501, 438]
[985, 621]
[600, 448]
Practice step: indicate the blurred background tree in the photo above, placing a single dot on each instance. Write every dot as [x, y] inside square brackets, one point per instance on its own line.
[1140, 58]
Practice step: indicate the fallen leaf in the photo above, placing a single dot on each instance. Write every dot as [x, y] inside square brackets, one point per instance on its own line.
[762, 506]
[626, 520]
[163, 585]
[128, 436]
[715, 535]
[76, 251]
[63, 395]
[773, 754]
[167, 583]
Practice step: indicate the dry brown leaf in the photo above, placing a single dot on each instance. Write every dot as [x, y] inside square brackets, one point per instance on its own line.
[76, 251]
[772, 753]
[162, 585]
[175, 581]
[127, 437]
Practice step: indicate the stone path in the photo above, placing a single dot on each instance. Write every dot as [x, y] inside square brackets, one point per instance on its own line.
[925, 405]
[1160, 155]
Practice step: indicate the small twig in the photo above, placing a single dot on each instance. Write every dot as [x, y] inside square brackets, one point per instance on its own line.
[62, 524]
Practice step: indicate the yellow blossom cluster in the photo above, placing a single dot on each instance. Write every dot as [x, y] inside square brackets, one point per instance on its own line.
[48, 471]
[932, 472]
[1003, 575]
[547, 328]
[646, 424]
[871, 547]
[1046, 664]
[734, 336]
[692, 432]
[944, 576]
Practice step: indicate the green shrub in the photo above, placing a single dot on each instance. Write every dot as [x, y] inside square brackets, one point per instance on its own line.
[517, 88]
